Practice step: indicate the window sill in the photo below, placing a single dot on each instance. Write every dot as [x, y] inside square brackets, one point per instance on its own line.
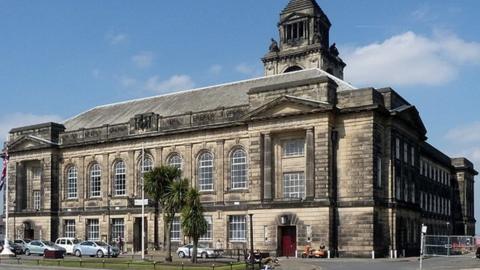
[293, 156]
[237, 241]
[208, 192]
[238, 190]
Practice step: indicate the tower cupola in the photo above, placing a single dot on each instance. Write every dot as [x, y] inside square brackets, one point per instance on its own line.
[304, 41]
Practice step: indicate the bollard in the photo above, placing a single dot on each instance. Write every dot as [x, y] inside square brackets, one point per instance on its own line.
[213, 266]
[395, 254]
[80, 262]
[328, 254]
[373, 254]
[231, 265]
[182, 265]
[391, 253]
[103, 263]
[403, 252]
[18, 260]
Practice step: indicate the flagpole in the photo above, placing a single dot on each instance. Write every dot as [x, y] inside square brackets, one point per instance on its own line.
[143, 202]
[6, 246]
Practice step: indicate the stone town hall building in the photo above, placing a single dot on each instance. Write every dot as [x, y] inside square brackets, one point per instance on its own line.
[314, 159]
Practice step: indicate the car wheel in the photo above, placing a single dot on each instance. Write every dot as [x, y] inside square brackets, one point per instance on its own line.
[181, 254]
[27, 252]
[204, 255]
[99, 254]
[78, 253]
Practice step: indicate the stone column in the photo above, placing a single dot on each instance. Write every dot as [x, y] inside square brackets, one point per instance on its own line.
[310, 164]
[158, 156]
[267, 167]
[219, 172]
[187, 164]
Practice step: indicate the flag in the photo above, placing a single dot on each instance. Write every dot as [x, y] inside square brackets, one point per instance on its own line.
[4, 171]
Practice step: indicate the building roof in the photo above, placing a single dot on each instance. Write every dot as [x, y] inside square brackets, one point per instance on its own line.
[196, 100]
[296, 5]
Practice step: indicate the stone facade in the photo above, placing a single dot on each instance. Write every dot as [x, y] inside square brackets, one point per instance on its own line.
[322, 163]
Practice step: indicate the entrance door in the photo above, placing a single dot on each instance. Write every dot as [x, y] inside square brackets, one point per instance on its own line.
[28, 232]
[137, 234]
[288, 240]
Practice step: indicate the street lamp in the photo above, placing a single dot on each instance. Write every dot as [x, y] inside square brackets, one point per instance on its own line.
[109, 240]
[252, 259]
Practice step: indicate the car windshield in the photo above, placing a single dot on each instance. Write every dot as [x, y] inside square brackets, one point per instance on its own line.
[102, 244]
[48, 243]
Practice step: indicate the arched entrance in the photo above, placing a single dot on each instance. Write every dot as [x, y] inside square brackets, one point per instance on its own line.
[28, 231]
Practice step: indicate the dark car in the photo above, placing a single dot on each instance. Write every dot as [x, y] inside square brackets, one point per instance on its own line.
[15, 248]
[478, 253]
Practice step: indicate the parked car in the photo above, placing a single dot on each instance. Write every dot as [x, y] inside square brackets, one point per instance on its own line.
[202, 251]
[23, 243]
[67, 243]
[477, 254]
[15, 248]
[95, 248]
[40, 246]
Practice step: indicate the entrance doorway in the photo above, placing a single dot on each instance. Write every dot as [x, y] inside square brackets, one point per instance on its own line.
[137, 234]
[288, 240]
[28, 232]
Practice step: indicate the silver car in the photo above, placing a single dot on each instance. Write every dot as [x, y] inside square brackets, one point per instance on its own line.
[95, 248]
[202, 251]
[40, 247]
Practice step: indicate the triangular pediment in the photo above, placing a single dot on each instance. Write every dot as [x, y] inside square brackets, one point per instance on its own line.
[28, 142]
[410, 115]
[287, 106]
[294, 16]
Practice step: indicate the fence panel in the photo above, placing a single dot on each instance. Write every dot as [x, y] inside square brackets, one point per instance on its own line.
[443, 245]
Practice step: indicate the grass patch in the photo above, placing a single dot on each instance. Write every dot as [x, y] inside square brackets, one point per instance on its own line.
[126, 264]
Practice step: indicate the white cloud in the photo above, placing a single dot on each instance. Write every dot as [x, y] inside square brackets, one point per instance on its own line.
[215, 69]
[245, 69]
[410, 59]
[174, 83]
[18, 119]
[465, 134]
[118, 38]
[143, 59]
[126, 81]
[96, 73]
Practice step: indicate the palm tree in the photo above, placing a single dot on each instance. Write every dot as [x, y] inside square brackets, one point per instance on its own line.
[194, 224]
[173, 201]
[155, 185]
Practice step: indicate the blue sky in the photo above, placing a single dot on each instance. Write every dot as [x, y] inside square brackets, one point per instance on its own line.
[59, 58]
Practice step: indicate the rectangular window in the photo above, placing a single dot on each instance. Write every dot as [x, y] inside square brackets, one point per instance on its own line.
[397, 148]
[398, 187]
[175, 231]
[405, 153]
[209, 235]
[237, 228]
[294, 185]
[413, 156]
[421, 167]
[118, 228]
[294, 148]
[93, 230]
[379, 172]
[421, 200]
[36, 200]
[69, 228]
[37, 174]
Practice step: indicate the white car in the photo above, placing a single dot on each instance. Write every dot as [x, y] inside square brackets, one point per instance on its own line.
[202, 251]
[67, 243]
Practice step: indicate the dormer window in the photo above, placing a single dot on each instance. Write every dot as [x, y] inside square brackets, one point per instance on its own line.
[295, 31]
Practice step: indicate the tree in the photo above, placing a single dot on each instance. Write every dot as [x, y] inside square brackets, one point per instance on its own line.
[173, 201]
[155, 185]
[194, 224]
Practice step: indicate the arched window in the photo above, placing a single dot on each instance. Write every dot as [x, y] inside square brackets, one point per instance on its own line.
[238, 170]
[205, 172]
[95, 181]
[175, 161]
[72, 177]
[119, 179]
[292, 69]
[147, 164]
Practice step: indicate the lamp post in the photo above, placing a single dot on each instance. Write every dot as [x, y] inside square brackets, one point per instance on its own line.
[252, 259]
[109, 225]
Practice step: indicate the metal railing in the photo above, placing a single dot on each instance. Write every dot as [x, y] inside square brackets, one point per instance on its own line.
[444, 245]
